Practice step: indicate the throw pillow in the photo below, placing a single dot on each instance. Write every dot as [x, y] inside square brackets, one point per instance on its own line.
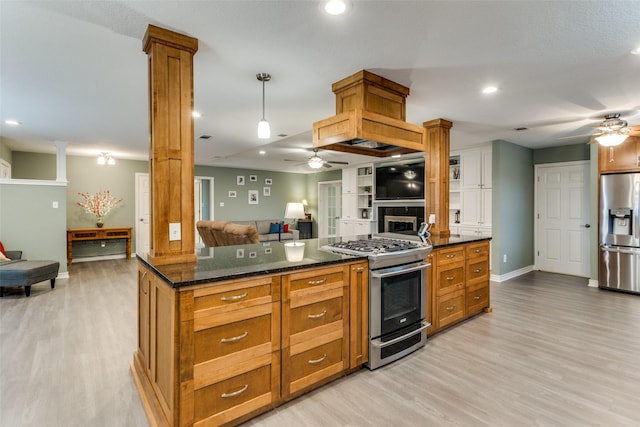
[274, 227]
[286, 228]
[2, 250]
[3, 258]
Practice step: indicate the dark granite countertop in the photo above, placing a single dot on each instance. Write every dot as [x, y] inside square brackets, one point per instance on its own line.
[234, 262]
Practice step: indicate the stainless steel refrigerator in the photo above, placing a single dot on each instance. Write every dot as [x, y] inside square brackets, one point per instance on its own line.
[620, 232]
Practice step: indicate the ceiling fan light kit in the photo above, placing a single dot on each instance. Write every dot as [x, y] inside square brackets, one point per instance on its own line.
[264, 130]
[611, 139]
[614, 131]
[315, 162]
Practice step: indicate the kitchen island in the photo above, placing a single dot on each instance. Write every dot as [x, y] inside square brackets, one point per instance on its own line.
[245, 329]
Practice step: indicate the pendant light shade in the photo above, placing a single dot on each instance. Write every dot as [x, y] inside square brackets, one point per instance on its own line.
[264, 130]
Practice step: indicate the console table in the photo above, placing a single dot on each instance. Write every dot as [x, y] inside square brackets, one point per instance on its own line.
[84, 234]
[304, 227]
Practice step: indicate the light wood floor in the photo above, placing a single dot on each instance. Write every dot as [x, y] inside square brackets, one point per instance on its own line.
[553, 353]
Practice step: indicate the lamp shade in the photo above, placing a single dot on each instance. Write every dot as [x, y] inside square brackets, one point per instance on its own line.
[264, 130]
[294, 210]
[611, 139]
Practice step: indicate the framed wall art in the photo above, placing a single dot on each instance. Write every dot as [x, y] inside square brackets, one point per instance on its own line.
[253, 197]
[253, 178]
[240, 180]
[268, 181]
[266, 191]
[232, 194]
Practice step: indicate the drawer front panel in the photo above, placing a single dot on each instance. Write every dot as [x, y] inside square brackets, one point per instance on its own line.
[450, 308]
[315, 359]
[330, 276]
[478, 270]
[232, 392]
[478, 250]
[451, 255]
[450, 280]
[315, 315]
[477, 299]
[215, 342]
[232, 297]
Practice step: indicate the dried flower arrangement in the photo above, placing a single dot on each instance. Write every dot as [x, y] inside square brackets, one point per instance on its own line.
[99, 204]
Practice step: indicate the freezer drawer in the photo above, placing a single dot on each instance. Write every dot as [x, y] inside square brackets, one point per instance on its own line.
[620, 269]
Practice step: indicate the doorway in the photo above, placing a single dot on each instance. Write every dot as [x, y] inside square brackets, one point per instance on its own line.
[329, 211]
[562, 235]
[203, 209]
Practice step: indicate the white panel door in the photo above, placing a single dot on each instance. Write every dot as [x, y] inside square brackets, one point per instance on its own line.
[143, 213]
[562, 229]
[329, 198]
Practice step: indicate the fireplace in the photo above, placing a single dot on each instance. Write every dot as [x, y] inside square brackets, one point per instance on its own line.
[399, 219]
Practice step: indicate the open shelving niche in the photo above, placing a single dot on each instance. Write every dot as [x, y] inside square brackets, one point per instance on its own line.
[364, 190]
[454, 190]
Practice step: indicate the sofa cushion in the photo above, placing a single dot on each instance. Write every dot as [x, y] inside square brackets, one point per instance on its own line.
[2, 250]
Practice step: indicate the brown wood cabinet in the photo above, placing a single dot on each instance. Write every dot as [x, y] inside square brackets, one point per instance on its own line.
[459, 283]
[622, 158]
[220, 353]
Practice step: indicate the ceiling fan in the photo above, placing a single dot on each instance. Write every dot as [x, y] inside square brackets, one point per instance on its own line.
[317, 162]
[613, 131]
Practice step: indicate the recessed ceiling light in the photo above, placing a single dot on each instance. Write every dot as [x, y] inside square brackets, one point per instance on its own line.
[636, 51]
[489, 89]
[262, 152]
[12, 122]
[337, 7]
[196, 114]
[396, 156]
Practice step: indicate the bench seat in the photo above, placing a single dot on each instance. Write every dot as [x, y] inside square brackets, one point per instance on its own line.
[25, 273]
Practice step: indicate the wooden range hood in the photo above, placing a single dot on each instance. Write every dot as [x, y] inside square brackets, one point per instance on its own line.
[370, 119]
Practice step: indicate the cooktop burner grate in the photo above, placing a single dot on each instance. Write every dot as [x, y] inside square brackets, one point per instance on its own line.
[377, 245]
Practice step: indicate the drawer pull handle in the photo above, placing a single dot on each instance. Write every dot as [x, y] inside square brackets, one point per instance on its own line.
[477, 270]
[477, 297]
[451, 256]
[234, 339]
[237, 392]
[311, 362]
[477, 251]
[317, 316]
[359, 269]
[317, 282]
[451, 277]
[234, 298]
[451, 308]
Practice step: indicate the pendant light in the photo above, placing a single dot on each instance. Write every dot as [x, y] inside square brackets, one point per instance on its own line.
[264, 131]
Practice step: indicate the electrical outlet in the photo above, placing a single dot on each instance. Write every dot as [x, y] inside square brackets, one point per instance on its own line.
[504, 258]
[432, 218]
[54, 205]
[174, 231]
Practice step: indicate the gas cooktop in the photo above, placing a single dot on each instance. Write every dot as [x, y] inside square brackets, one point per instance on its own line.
[375, 246]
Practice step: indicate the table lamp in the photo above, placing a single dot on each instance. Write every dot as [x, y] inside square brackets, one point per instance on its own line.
[292, 211]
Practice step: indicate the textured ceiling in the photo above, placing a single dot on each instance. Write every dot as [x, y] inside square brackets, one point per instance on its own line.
[75, 71]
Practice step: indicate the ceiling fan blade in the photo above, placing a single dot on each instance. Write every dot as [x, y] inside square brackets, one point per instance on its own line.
[336, 162]
[575, 136]
[327, 165]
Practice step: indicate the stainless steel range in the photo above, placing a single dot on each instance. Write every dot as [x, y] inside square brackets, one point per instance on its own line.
[397, 294]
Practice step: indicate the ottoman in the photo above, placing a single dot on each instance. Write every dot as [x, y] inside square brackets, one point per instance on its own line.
[26, 273]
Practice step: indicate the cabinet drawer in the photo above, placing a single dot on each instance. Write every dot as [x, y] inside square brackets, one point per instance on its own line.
[244, 393]
[314, 315]
[222, 340]
[236, 294]
[477, 299]
[450, 308]
[478, 250]
[478, 270]
[449, 280]
[316, 279]
[316, 359]
[450, 255]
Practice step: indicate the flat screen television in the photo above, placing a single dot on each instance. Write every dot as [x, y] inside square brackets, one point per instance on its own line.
[400, 181]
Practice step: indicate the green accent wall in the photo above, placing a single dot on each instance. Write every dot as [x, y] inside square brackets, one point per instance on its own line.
[33, 166]
[28, 221]
[512, 207]
[564, 153]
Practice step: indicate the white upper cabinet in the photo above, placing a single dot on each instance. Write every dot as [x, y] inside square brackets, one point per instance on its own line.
[475, 168]
[350, 181]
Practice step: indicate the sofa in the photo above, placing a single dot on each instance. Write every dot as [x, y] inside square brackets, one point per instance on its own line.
[16, 271]
[226, 233]
[266, 230]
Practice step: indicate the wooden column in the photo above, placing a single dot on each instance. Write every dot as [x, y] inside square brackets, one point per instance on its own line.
[437, 174]
[170, 144]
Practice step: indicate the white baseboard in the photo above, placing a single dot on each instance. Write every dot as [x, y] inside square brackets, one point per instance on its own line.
[99, 258]
[511, 274]
[593, 283]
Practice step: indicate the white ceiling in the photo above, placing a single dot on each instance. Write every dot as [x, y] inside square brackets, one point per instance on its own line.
[75, 71]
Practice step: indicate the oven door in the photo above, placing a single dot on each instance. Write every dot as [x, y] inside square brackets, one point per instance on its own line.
[397, 298]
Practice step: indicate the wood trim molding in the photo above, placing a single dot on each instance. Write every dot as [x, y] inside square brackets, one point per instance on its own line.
[437, 173]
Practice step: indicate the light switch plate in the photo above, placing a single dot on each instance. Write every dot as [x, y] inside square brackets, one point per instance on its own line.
[54, 205]
[174, 231]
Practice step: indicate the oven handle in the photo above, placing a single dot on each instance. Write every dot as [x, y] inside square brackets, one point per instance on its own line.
[377, 275]
[379, 344]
